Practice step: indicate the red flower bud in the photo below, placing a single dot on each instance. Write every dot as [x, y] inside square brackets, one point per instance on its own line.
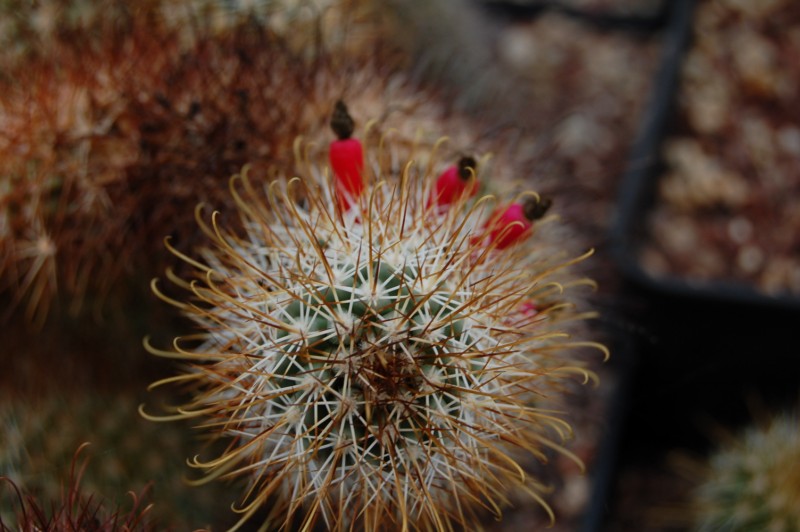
[508, 227]
[516, 222]
[347, 161]
[528, 309]
[346, 156]
[455, 182]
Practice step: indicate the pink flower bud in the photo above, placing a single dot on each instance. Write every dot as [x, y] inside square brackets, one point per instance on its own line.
[346, 156]
[509, 227]
[347, 161]
[516, 221]
[456, 181]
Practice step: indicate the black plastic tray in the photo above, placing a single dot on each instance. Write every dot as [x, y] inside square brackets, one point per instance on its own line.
[705, 350]
[603, 473]
[604, 19]
[638, 186]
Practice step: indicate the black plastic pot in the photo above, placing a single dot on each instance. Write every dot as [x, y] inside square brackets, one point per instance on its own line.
[638, 187]
[706, 348]
[606, 19]
[604, 470]
[671, 21]
[706, 352]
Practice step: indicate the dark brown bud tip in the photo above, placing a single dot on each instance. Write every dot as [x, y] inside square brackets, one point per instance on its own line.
[341, 122]
[466, 168]
[535, 208]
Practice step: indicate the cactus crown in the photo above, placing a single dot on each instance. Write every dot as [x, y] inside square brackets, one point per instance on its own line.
[380, 364]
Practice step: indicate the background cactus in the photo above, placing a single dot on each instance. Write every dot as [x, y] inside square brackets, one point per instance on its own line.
[117, 121]
[380, 362]
[753, 481]
[76, 509]
[128, 455]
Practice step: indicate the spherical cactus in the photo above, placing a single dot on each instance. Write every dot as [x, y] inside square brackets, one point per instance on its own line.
[754, 483]
[376, 363]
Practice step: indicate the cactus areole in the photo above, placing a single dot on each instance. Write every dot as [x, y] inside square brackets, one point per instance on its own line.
[374, 366]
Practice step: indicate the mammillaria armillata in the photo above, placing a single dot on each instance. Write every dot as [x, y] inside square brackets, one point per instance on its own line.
[380, 359]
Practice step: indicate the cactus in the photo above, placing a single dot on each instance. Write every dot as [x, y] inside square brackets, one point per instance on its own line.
[75, 509]
[378, 361]
[130, 455]
[753, 483]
